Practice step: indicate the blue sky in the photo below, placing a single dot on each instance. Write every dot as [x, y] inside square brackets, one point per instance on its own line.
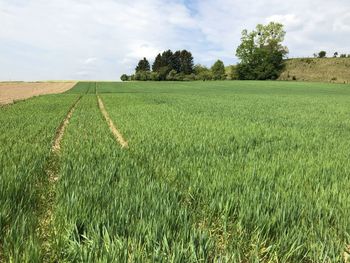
[100, 40]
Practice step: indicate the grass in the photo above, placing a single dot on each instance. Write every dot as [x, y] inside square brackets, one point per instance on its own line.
[214, 172]
[26, 132]
[335, 70]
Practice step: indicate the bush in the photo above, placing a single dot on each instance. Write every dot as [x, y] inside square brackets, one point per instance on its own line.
[171, 75]
[218, 70]
[231, 72]
[154, 76]
[124, 77]
[143, 75]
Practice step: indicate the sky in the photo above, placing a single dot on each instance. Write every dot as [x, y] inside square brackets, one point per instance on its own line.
[100, 40]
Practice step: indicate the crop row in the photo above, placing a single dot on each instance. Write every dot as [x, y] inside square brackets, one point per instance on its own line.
[27, 132]
[210, 175]
[214, 172]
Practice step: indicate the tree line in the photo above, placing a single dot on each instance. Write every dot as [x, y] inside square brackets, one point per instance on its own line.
[176, 66]
[323, 54]
[261, 54]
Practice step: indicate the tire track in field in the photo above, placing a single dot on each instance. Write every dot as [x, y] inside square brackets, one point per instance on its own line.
[117, 135]
[46, 231]
[56, 147]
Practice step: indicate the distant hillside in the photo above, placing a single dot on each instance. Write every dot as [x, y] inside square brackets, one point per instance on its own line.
[335, 70]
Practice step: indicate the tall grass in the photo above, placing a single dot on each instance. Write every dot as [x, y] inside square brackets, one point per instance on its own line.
[214, 172]
[27, 130]
[230, 172]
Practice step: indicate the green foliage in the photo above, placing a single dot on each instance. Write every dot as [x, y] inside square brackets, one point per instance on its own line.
[322, 54]
[202, 72]
[26, 133]
[172, 75]
[124, 77]
[143, 65]
[180, 61]
[186, 62]
[157, 64]
[342, 55]
[261, 52]
[231, 72]
[218, 70]
[215, 172]
[154, 76]
[142, 75]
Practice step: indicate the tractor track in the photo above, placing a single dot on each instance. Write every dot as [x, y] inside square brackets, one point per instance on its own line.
[116, 133]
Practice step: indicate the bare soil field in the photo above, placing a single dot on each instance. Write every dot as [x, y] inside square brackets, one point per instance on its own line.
[12, 91]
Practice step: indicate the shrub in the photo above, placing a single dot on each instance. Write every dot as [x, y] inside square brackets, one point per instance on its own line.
[124, 77]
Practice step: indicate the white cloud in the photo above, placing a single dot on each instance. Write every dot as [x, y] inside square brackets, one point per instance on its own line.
[290, 21]
[63, 39]
[90, 61]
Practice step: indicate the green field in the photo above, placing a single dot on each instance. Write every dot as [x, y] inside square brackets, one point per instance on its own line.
[214, 172]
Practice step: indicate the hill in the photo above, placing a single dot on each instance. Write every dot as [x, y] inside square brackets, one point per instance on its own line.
[336, 70]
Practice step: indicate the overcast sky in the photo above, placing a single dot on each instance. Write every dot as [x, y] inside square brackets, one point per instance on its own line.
[101, 39]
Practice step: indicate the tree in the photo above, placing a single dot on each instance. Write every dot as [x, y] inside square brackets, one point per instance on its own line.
[124, 77]
[168, 60]
[157, 64]
[261, 52]
[186, 62]
[322, 54]
[218, 70]
[335, 54]
[343, 55]
[143, 65]
[176, 61]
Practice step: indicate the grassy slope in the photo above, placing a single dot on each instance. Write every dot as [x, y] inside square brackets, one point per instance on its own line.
[315, 69]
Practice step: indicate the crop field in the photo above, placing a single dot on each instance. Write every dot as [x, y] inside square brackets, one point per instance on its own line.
[14, 91]
[225, 171]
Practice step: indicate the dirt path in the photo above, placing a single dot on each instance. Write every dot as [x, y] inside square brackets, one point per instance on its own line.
[117, 135]
[45, 228]
[12, 91]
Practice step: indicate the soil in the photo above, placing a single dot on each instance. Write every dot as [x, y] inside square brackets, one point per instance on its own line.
[12, 91]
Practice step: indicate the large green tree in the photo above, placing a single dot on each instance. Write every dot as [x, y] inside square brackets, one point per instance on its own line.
[218, 70]
[180, 62]
[143, 65]
[157, 64]
[261, 52]
[186, 62]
